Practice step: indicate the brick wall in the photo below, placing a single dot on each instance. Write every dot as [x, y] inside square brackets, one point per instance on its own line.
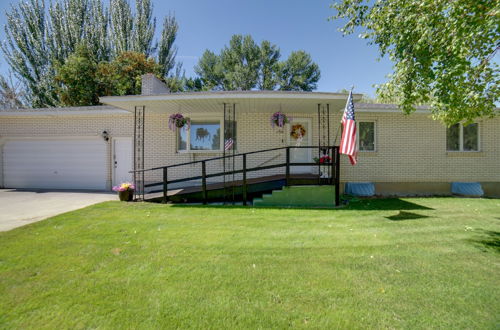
[92, 125]
[408, 148]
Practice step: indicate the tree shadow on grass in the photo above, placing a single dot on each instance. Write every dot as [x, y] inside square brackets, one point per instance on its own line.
[489, 241]
[402, 216]
[385, 204]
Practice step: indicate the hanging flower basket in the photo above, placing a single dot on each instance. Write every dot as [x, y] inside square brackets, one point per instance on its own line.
[177, 120]
[279, 119]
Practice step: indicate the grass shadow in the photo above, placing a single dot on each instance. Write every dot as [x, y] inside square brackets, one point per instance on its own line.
[385, 204]
[388, 204]
[232, 207]
[489, 241]
[402, 216]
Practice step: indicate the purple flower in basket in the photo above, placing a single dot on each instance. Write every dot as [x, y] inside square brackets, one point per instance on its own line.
[279, 119]
[124, 187]
[177, 120]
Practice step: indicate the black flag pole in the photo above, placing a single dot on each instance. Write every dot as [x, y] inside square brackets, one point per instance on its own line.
[340, 125]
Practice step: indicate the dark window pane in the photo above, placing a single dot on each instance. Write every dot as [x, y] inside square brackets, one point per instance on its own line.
[471, 140]
[205, 135]
[367, 136]
[452, 138]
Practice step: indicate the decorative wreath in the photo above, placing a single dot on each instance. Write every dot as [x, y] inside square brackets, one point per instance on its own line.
[297, 131]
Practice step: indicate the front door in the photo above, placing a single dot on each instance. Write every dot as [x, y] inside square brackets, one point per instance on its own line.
[122, 160]
[299, 134]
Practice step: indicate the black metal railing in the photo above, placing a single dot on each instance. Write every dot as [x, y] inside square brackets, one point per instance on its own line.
[332, 179]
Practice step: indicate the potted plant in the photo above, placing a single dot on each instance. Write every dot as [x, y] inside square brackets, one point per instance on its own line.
[125, 191]
[279, 119]
[177, 120]
[325, 159]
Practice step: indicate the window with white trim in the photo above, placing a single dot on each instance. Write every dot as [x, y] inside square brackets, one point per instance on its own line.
[462, 138]
[366, 136]
[202, 136]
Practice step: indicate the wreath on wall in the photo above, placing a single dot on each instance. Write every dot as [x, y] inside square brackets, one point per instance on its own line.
[297, 131]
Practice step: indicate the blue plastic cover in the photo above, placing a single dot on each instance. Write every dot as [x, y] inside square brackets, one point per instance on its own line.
[364, 189]
[467, 188]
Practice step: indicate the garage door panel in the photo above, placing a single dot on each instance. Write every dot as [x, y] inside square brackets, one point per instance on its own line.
[55, 164]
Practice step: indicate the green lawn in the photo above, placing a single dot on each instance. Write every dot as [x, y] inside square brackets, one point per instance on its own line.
[394, 263]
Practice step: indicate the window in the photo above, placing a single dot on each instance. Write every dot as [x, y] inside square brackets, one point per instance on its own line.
[203, 135]
[462, 138]
[366, 135]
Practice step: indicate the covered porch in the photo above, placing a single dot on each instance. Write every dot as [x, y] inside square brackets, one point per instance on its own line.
[242, 117]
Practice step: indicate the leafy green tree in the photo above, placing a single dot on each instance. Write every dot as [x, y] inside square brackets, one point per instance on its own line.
[443, 52]
[166, 49]
[40, 38]
[122, 76]
[240, 63]
[81, 80]
[244, 65]
[27, 50]
[77, 22]
[298, 73]
[144, 28]
[209, 69]
[11, 93]
[269, 66]
[122, 23]
[77, 78]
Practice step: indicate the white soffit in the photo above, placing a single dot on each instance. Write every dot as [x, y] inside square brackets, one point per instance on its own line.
[211, 102]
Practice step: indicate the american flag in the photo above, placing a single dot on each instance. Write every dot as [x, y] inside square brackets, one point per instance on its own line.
[348, 142]
[228, 144]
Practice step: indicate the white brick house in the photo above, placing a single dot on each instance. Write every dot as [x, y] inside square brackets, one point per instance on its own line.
[92, 147]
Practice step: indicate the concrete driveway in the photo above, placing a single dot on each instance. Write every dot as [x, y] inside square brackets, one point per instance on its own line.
[21, 207]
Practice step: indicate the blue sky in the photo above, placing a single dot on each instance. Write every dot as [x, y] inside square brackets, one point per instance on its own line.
[291, 25]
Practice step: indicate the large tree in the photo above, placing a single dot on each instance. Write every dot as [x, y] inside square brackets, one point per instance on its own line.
[77, 79]
[298, 72]
[122, 76]
[443, 52]
[82, 79]
[40, 38]
[11, 93]
[244, 65]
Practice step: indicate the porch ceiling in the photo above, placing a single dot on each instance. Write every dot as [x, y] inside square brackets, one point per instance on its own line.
[247, 101]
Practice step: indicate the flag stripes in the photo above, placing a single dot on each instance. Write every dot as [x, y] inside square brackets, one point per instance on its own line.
[228, 145]
[348, 145]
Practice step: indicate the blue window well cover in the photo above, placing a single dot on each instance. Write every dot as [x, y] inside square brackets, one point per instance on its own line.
[467, 188]
[363, 189]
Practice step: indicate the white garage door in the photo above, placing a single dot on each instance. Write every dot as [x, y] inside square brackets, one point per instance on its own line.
[55, 164]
